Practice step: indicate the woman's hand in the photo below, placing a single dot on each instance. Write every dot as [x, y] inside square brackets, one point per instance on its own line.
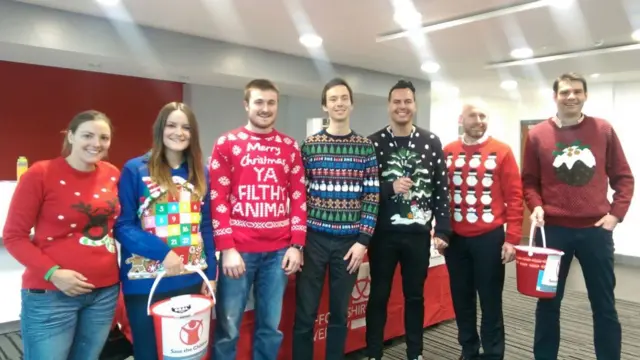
[173, 264]
[205, 289]
[70, 282]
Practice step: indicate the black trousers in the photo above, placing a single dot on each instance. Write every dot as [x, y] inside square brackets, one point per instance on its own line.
[593, 247]
[475, 267]
[322, 251]
[413, 252]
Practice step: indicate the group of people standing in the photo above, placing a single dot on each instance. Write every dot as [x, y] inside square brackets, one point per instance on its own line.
[273, 208]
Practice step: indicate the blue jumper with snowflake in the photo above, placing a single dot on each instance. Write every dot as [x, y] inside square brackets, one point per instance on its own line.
[342, 185]
[420, 158]
[154, 221]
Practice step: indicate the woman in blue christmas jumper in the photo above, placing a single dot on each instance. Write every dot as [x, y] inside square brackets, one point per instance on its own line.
[165, 223]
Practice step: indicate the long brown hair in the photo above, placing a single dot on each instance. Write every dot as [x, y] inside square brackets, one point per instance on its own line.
[79, 119]
[159, 168]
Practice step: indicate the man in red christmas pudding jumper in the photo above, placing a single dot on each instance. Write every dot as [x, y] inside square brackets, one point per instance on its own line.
[569, 161]
[486, 193]
[259, 212]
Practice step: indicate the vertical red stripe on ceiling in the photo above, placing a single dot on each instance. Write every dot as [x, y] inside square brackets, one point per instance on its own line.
[37, 103]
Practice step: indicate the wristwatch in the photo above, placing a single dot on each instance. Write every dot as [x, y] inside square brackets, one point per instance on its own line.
[299, 247]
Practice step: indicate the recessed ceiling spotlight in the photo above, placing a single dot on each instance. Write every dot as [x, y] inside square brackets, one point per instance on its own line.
[311, 40]
[636, 35]
[509, 85]
[521, 53]
[430, 67]
[108, 2]
[596, 75]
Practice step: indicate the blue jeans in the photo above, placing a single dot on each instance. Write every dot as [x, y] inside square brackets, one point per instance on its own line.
[59, 327]
[264, 272]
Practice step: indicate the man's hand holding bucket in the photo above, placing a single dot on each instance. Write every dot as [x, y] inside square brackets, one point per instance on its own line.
[537, 216]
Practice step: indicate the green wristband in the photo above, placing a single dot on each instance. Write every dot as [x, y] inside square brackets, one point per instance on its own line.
[53, 269]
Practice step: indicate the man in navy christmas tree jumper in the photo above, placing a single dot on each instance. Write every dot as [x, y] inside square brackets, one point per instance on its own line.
[414, 190]
[342, 201]
[569, 162]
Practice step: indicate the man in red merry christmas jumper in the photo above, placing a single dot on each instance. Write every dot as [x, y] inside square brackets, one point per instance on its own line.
[569, 161]
[259, 212]
[486, 193]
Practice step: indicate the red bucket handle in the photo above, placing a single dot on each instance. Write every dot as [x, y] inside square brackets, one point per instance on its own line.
[189, 268]
[532, 234]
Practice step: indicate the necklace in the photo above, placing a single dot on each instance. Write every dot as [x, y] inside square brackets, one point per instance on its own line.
[393, 137]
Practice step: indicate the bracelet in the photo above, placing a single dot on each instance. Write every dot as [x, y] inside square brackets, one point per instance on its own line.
[53, 269]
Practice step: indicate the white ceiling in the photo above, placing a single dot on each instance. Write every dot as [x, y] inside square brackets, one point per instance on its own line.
[350, 28]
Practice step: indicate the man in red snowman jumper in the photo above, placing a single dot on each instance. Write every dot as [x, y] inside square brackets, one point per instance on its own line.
[486, 193]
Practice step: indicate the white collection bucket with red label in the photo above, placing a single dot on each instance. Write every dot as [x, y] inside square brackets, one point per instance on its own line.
[182, 322]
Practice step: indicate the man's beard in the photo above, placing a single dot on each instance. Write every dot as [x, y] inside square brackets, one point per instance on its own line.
[260, 122]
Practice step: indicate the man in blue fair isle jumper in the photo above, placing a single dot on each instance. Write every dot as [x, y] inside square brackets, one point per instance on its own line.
[342, 204]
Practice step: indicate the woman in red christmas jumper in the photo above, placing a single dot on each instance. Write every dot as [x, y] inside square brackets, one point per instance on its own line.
[165, 224]
[70, 285]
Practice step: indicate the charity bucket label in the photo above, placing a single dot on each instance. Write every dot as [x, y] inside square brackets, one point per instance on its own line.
[548, 278]
[185, 339]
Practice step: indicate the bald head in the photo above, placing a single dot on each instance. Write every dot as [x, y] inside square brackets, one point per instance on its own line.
[474, 106]
[473, 119]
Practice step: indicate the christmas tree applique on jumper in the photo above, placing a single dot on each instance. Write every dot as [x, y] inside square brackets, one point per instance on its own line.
[406, 163]
[574, 164]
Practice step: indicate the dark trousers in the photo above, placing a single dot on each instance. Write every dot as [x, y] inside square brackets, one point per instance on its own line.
[413, 252]
[322, 251]
[594, 249]
[142, 333]
[475, 267]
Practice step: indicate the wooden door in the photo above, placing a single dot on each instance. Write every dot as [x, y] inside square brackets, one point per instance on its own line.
[525, 125]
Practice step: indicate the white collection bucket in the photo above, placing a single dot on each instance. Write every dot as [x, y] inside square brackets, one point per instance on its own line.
[182, 323]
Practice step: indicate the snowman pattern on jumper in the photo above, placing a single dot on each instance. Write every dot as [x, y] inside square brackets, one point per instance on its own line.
[175, 219]
[472, 177]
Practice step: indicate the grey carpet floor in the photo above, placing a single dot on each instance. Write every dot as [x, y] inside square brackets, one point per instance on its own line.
[440, 341]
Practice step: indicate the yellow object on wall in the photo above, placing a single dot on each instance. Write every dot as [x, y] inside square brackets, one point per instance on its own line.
[21, 167]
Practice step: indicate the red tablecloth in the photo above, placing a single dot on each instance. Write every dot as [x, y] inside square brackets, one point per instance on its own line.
[438, 308]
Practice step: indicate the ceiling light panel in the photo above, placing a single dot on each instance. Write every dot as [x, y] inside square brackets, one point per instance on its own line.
[490, 14]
